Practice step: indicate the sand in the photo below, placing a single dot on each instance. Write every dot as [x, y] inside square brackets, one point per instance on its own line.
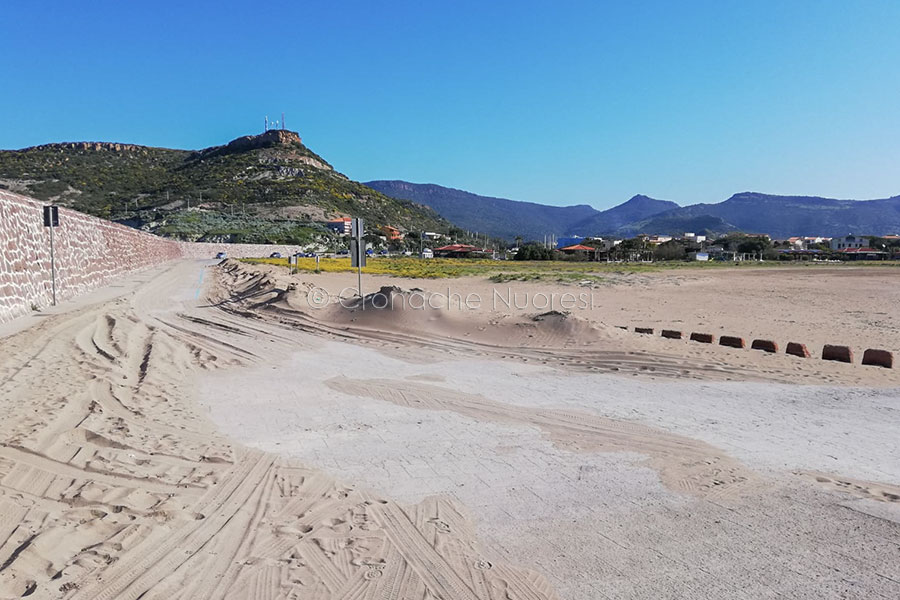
[215, 437]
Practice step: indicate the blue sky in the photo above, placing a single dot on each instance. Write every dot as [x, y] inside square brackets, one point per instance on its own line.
[561, 103]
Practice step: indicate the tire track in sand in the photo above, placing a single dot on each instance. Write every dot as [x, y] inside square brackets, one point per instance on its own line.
[684, 464]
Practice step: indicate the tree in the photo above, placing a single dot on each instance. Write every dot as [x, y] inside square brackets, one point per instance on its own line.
[671, 250]
[753, 245]
[880, 243]
[535, 251]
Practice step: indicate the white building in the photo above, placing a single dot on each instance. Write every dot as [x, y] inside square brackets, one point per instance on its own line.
[849, 241]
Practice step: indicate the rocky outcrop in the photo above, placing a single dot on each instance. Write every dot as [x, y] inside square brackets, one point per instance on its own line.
[269, 139]
[95, 146]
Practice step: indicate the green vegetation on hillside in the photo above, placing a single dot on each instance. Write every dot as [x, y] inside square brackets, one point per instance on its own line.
[272, 181]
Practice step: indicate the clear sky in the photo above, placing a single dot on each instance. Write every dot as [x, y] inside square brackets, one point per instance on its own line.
[554, 102]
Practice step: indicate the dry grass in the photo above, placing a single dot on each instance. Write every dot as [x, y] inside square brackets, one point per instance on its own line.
[501, 270]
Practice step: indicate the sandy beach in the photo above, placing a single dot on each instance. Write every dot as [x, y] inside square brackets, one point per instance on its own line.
[230, 431]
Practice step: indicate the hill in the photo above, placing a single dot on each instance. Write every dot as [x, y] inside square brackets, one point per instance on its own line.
[779, 216]
[509, 219]
[497, 217]
[267, 187]
[674, 223]
[784, 216]
[637, 209]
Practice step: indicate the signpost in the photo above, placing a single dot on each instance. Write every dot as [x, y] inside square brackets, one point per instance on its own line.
[357, 251]
[51, 220]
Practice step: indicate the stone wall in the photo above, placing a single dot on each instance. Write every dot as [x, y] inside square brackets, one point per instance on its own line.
[90, 252]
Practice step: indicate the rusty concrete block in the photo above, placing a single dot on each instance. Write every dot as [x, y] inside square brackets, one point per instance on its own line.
[704, 338]
[671, 334]
[879, 358]
[797, 349]
[838, 353]
[643, 330]
[764, 345]
[732, 342]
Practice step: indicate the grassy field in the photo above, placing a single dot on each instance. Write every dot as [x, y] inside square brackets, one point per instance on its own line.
[500, 271]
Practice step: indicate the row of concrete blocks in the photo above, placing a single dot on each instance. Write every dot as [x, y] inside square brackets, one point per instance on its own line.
[872, 356]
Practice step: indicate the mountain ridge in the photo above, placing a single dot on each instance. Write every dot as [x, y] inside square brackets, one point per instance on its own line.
[780, 216]
[502, 217]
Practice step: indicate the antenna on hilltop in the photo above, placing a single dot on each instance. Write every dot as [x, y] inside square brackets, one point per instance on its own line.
[267, 122]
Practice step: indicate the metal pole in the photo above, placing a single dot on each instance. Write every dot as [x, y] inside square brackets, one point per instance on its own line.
[52, 262]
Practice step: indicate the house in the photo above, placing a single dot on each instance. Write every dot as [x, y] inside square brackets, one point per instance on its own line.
[849, 242]
[863, 253]
[804, 242]
[342, 226]
[391, 233]
[578, 250]
[459, 251]
[816, 240]
[656, 239]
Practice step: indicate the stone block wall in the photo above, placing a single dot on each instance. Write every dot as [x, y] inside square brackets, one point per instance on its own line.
[90, 252]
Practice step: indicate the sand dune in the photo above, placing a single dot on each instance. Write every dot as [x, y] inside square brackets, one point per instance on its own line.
[581, 339]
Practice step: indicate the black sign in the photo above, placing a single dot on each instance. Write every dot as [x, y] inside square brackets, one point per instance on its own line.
[357, 246]
[51, 216]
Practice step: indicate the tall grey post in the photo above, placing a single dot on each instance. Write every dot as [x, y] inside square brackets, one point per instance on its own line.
[357, 251]
[51, 220]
